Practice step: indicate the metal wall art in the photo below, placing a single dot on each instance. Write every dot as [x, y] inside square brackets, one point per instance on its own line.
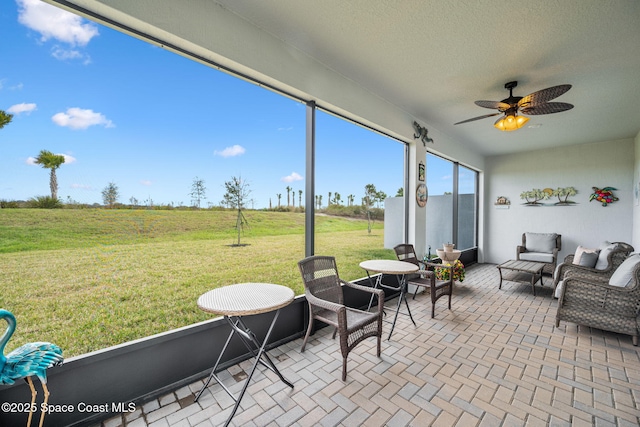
[422, 133]
[603, 195]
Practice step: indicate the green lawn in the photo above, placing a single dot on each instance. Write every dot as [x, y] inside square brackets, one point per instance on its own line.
[90, 278]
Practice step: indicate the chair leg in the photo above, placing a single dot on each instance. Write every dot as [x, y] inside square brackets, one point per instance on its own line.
[344, 369]
[380, 341]
[306, 337]
[433, 310]
[634, 339]
[450, 300]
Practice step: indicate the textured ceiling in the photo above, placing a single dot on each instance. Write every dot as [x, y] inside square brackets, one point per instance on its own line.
[433, 59]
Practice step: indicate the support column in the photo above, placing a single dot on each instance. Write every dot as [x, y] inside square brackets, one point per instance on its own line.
[310, 177]
[417, 219]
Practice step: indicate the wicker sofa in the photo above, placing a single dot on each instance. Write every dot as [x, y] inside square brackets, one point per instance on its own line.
[599, 304]
[614, 258]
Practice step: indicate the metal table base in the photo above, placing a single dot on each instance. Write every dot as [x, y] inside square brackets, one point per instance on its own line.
[251, 342]
[403, 296]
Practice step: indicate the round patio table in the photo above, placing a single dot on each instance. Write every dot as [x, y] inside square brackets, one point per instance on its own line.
[400, 269]
[234, 302]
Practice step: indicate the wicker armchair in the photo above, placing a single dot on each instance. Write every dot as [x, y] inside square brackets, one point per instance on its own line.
[425, 277]
[323, 290]
[614, 259]
[548, 255]
[600, 305]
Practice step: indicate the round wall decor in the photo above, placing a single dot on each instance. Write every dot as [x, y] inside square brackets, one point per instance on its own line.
[422, 194]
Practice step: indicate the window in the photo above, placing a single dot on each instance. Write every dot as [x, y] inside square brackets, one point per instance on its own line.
[452, 204]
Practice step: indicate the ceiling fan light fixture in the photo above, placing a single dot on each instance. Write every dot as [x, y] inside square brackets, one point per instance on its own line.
[511, 122]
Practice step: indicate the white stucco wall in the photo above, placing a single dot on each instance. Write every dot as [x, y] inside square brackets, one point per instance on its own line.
[581, 166]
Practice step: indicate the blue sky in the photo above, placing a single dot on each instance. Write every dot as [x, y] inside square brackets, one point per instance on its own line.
[124, 111]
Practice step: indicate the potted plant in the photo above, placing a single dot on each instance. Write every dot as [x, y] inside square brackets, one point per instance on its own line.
[458, 271]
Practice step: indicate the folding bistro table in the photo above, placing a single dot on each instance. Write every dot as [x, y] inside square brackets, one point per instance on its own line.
[234, 302]
[400, 269]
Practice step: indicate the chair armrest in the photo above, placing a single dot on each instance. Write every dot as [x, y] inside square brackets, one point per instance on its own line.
[368, 289]
[519, 250]
[569, 259]
[621, 301]
[378, 292]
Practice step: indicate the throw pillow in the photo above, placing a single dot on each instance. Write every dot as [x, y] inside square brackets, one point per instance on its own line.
[623, 276]
[586, 257]
[540, 242]
[605, 249]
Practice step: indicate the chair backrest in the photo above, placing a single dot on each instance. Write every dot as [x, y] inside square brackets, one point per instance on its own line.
[406, 252]
[320, 277]
[539, 238]
[618, 255]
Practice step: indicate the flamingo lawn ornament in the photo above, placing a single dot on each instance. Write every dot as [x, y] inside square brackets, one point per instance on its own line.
[24, 362]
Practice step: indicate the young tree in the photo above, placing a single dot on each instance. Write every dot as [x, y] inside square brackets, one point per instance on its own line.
[110, 194]
[380, 196]
[236, 197]
[197, 192]
[48, 160]
[370, 195]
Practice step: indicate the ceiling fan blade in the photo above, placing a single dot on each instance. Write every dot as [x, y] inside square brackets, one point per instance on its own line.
[477, 118]
[496, 105]
[546, 108]
[543, 96]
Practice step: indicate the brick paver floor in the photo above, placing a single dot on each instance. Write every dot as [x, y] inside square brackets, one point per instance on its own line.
[495, 359]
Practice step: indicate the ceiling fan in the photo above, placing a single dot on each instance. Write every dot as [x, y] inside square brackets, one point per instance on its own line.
[535, 103]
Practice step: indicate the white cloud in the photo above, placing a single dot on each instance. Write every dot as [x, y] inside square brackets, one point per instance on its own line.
[21, 108]
[78, 118]
[67, 159]
[291, 178]
[82, 187]
[54, 23]
[283, 129]
[64, 54]
[146, 182]
[232, 151]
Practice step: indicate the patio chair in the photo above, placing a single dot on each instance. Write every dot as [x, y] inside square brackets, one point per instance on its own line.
[425, 277]
[324, 292]
[540, 247]
[609, 258]
[612, 305]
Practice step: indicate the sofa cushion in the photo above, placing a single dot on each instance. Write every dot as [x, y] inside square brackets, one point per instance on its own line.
[605, 249]
[586, 257]
[536, 256]
[540, 242]
[558, 291]
[623, 276]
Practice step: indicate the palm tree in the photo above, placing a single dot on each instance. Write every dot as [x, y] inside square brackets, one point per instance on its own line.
[329, 199]
[299, 198]
[48, 160]
[279, 195]
[288, 191]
